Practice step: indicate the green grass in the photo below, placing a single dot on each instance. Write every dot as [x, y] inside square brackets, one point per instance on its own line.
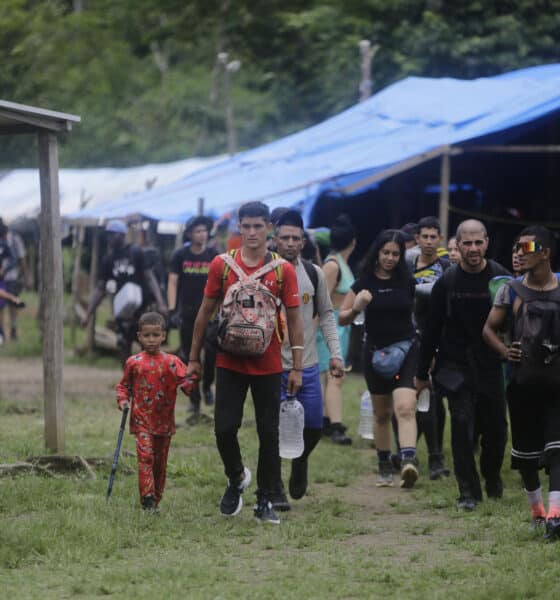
[345, 539]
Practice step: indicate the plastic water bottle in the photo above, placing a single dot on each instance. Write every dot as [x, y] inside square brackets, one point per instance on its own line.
[423, 402]
[291, 427]
[365, 427]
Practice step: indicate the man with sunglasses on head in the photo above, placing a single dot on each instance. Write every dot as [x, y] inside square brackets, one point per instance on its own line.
[466, 370]
[531, 304]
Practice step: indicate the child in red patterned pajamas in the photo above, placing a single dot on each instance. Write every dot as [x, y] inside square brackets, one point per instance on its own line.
[149, 386]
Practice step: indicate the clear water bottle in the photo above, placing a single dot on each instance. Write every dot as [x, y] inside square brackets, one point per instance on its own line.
[365, 427]
[423, 401]
[291, 427]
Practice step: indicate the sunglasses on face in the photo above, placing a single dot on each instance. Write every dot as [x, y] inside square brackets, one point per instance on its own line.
[527, 247]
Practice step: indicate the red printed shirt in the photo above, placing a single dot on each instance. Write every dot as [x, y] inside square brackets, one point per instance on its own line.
[150, 382]
[271, 361]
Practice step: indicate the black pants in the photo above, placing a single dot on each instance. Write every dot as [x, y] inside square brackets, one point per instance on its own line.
[185, 335]
[126, 330]
[432, 423]
[482, 409]
[231, 391]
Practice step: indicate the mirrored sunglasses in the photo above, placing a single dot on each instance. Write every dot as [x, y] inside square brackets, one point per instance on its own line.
[527, 247]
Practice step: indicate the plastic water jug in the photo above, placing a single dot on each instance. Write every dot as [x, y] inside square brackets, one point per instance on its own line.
[291, 427]
[365, 427]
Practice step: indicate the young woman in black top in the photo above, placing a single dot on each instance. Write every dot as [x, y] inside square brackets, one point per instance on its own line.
[385, 290]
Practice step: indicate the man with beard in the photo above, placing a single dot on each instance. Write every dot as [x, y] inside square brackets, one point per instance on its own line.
[466, 369]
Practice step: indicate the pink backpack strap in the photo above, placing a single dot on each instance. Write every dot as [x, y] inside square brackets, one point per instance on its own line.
[269, 266]
[230, 261]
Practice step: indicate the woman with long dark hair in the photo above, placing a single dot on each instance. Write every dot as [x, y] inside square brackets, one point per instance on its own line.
[385, 291]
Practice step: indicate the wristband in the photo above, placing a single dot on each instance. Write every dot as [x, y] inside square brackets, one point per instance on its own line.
[294, 369]
[193, 360]
[297, 348]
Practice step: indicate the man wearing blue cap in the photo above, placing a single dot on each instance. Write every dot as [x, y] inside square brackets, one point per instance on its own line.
[122, 265]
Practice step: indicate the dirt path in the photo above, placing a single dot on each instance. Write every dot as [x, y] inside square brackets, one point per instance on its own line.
[21, 380]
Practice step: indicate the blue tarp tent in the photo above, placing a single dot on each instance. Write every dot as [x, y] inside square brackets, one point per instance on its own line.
[404, 125]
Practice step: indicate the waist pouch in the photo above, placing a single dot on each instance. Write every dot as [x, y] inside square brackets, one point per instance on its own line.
[387, 362]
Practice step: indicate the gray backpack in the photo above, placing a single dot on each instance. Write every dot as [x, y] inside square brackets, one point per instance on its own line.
[537, 326]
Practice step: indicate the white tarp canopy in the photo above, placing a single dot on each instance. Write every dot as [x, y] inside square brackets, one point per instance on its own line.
[20, 194]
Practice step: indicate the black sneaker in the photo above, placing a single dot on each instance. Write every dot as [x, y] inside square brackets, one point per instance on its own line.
[264, 513]
[149, 504]
[437, 467]
[409, 473]
[279, 500]
[384, 474]
[327, 427]
[552, 529]
[232, 502]
[208, 397]
[298, 478]
[338, 434]
[466, 503]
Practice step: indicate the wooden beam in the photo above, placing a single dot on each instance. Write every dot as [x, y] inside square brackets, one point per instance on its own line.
[39, 121]
[444, 180]
[515, 149]
[15, 129]
[52, 292]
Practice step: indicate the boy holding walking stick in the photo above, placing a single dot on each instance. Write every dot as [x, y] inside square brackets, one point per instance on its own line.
[149, 387]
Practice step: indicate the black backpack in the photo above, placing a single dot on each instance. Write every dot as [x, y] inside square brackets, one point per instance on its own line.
[537, 326]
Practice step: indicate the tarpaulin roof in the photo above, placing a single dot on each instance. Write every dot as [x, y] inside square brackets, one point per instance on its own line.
[20, 194]
[405, 124]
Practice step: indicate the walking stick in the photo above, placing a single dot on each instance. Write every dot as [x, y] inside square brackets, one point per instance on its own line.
[117, 452]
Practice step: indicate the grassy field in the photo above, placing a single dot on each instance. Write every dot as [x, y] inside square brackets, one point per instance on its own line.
[345, 539]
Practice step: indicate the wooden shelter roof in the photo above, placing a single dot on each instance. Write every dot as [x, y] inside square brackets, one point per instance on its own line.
[20, 118]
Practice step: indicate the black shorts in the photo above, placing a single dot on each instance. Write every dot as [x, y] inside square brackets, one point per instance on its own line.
[534, 413]
[403, 379]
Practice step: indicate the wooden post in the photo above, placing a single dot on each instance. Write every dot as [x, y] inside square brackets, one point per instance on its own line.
[78, 244]
[444, 181]
[93, 268]
[52, 292]
[201, 206]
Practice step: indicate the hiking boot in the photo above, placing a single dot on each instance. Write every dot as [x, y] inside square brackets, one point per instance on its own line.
[298, 478]
[208, 397]
[538, 524]
[264, 513]
[466, 503]
[279, 500]
[149, 504]
[494, 488]
[232, 502]
[552, 529]
[437, 467]
[384, 474]
[409, 473]
[338, 434]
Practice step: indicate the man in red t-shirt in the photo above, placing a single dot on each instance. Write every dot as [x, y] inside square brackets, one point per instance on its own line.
[235, 374]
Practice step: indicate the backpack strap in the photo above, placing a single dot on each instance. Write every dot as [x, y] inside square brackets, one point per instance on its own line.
[230, 262]
[227, 267]
[314, 278]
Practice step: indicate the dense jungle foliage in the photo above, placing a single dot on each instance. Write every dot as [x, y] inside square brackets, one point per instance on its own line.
[144, 75]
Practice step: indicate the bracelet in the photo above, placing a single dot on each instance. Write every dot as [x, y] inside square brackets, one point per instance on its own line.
[193, 360]
[294, 369]
[297, 348]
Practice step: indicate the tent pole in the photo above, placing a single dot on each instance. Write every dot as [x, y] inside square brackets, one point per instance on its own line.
[93, 269]
[51, 292]
[445, 178]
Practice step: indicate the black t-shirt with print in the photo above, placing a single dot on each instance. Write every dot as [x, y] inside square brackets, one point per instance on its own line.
[124, 265]
[389, 314]
[192, 271]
